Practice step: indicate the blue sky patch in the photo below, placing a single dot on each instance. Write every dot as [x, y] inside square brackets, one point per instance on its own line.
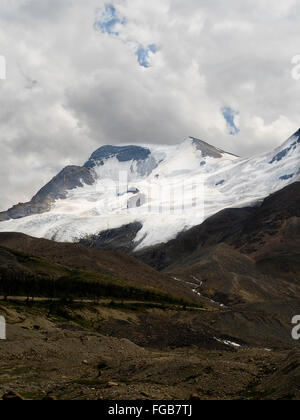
[230, 114]
[108, 21]
[143, 54]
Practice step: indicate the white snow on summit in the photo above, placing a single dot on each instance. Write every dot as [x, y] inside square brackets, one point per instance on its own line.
[171, 189]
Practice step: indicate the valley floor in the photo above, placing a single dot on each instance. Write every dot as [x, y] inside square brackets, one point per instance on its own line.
[77, 351]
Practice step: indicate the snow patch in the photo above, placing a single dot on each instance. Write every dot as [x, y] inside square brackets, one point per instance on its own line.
[228, 343]
[176, 192]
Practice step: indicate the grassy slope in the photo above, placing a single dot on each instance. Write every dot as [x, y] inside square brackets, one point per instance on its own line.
[37, 277]
[110, 263]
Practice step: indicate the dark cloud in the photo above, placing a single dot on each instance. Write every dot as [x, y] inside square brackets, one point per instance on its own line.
[70, 88]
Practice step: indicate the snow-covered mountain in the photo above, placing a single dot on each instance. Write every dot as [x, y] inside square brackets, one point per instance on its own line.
[167, 189]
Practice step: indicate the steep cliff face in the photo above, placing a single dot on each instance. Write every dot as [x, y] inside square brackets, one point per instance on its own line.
[69, 178]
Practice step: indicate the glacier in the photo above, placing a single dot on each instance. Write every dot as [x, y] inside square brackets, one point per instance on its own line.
[167, 189]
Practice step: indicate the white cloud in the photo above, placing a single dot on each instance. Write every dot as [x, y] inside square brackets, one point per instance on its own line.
[70, 89]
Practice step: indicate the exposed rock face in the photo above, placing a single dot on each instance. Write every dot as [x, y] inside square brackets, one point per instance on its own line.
[75, 176]
[69, 178]
[207, 149]
[283, 153]
[121, 239]
[122, 153]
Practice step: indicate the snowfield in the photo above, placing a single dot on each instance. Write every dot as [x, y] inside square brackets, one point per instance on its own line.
[174, 188]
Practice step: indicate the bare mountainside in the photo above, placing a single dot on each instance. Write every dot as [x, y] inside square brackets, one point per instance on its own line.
[85, 324]
[239, 255]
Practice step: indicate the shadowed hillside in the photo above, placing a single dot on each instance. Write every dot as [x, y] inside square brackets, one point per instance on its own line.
[114, 264]
[240, 255]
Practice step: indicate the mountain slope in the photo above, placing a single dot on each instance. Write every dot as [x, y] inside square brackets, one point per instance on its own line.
[251, 230]
[114, 264]
[25, 276]
[178, 187]
[239, 255]
[69, 178]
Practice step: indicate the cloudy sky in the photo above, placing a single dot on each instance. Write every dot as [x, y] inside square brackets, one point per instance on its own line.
[81, 74]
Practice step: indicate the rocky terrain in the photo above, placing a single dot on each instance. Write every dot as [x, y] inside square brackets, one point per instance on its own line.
[68, 179]
[204, 316]
[90, 324]
[79, 351]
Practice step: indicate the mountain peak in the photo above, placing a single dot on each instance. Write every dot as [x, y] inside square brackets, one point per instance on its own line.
[292, 144]
[207, 149]
[297, 134]
[122, 153]
[162, 192]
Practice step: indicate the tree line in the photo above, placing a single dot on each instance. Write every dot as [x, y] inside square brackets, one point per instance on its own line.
[71, 287]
